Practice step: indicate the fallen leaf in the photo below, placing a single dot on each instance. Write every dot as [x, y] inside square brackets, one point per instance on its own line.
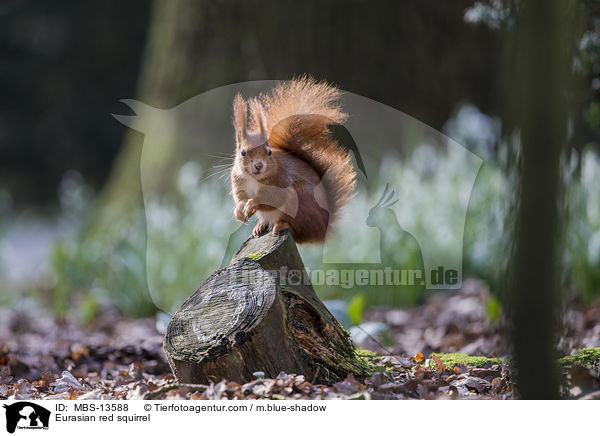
[439, 364]
[23, 390]
[477, 384]
[5, 376]
[418, 358]
[66, 381]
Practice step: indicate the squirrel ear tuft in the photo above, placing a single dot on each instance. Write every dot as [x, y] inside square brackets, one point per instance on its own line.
[259, 118]
[240, 118]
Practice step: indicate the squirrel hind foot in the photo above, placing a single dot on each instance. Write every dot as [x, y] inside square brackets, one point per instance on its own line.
[259, 228]
[280, 226]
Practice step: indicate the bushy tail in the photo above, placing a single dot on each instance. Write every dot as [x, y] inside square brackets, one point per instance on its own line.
[303, 96]
[298, 115]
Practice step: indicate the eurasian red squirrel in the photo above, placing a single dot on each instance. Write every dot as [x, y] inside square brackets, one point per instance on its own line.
[288, 168]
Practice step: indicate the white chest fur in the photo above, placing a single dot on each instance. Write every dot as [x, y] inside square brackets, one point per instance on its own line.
[251, 187]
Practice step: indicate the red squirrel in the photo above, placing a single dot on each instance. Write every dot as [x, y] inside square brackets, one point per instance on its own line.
[288, 169]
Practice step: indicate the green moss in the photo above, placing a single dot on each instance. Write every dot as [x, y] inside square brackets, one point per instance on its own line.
[359, 362]
[256, 256]
[364, 363]
[584, 357]
[365, 353]
[451, 359]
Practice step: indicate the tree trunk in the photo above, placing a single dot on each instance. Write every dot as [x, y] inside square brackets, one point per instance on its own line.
[542, 62]
[260, 313]
[168, 70]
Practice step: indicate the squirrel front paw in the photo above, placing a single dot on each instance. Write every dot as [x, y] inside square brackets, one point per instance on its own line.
[250, 208]
[239, 212]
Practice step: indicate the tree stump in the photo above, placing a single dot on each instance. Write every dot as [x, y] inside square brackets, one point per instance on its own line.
[260, 313]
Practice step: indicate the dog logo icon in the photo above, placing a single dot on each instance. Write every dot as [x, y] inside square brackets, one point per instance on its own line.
[26, 415]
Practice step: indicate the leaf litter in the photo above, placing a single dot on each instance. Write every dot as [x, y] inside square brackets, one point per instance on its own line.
[44, 359]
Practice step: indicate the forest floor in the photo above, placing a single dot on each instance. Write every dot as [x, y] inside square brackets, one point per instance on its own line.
[117, 358]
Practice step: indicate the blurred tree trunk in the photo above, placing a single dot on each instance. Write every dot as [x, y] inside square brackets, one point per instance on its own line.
[166, 75]
[541, 65]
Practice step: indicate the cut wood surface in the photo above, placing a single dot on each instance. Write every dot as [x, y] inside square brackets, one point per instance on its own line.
[259, 314]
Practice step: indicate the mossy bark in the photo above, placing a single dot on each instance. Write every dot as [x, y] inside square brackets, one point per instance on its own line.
[260, 313]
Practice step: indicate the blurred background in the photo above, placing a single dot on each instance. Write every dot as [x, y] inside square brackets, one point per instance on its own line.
[72, 224]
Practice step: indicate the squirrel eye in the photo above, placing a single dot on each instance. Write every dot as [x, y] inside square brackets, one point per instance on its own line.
[243, 152]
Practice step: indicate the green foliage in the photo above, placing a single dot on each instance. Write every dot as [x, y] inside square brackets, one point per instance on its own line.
[582, 254]
[115, 266]
[356, 309]
[493, 310]
[592, 115]
[89, 309]
[102, 271]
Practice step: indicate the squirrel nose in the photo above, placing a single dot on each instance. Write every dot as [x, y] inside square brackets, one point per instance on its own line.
[258, 165]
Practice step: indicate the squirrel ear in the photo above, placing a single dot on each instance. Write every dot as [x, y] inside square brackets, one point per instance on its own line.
[258, 117]
[240, 118]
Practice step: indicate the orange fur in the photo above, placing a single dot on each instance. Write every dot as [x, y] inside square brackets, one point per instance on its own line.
[299, 161]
